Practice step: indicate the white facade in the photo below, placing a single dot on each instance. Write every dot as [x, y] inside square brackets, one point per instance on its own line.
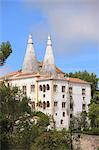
[52, 93]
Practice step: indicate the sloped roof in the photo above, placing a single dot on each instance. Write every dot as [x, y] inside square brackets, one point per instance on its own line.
[76, 80]
[72, 80]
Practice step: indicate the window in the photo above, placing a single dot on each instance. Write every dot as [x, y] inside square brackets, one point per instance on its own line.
[63, 96]
[24, 89]
[33, 105]
[71, 115]
[40, 87]
[8, 84]
[48, 104]
[83, 91]
[61, 122]
[83, 106]
[43, 95]
[40, 104]
[32, 88]
[55, 88]
[63, 104]
[55, 104]
[63, 114]
[71, 98]
[83, 98]
[71, 106]
[48, 87]
[44, 88]
[70, 90]
[44, 105]
[56, 114]
[63, 88]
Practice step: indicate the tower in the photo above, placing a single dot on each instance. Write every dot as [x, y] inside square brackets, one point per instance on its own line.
[30, 64]
[48, 62]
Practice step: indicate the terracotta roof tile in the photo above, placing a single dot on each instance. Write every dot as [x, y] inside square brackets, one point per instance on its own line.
[77, 80]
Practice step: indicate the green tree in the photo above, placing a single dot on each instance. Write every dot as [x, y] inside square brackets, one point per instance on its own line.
[13, 108]
[17, 127]
[5, 51]
[80, 122]
[52, 140]
[93, 113]
[43, 120]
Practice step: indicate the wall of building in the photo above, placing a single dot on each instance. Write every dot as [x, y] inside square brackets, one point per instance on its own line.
[55, 99]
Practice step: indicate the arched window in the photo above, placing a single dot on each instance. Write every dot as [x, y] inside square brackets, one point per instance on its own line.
[44, 105]
[40, 87]
[48, 104]
[48, 87]
[44, 88]
[40, 104]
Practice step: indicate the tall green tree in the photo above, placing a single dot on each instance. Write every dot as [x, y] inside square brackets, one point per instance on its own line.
[13, 108]
[5, 51]
[93, 113]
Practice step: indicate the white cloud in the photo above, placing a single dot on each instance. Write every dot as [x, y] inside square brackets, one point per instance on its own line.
[72, 22]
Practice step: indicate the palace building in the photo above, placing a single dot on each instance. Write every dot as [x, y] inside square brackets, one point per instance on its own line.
[50, 92]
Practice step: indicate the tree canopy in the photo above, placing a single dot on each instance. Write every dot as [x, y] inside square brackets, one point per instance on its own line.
[52, 140]
[93, 113]
[5, 51]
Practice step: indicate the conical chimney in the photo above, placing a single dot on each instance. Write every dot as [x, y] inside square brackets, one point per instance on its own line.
[30, 64]
[48, 62]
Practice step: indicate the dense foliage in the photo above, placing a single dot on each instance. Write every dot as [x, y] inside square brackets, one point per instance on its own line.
[93, 113]
[17, 127]
[14, 108]
[53, 140]
[5, 51]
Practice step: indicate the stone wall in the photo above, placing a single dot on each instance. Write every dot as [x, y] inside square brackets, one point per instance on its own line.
[85, 142]
[89, 142]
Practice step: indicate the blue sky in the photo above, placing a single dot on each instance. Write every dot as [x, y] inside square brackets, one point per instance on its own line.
[72, 24]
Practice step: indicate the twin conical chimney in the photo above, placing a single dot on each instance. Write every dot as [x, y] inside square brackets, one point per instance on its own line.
[30, 64]
[48, 62]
